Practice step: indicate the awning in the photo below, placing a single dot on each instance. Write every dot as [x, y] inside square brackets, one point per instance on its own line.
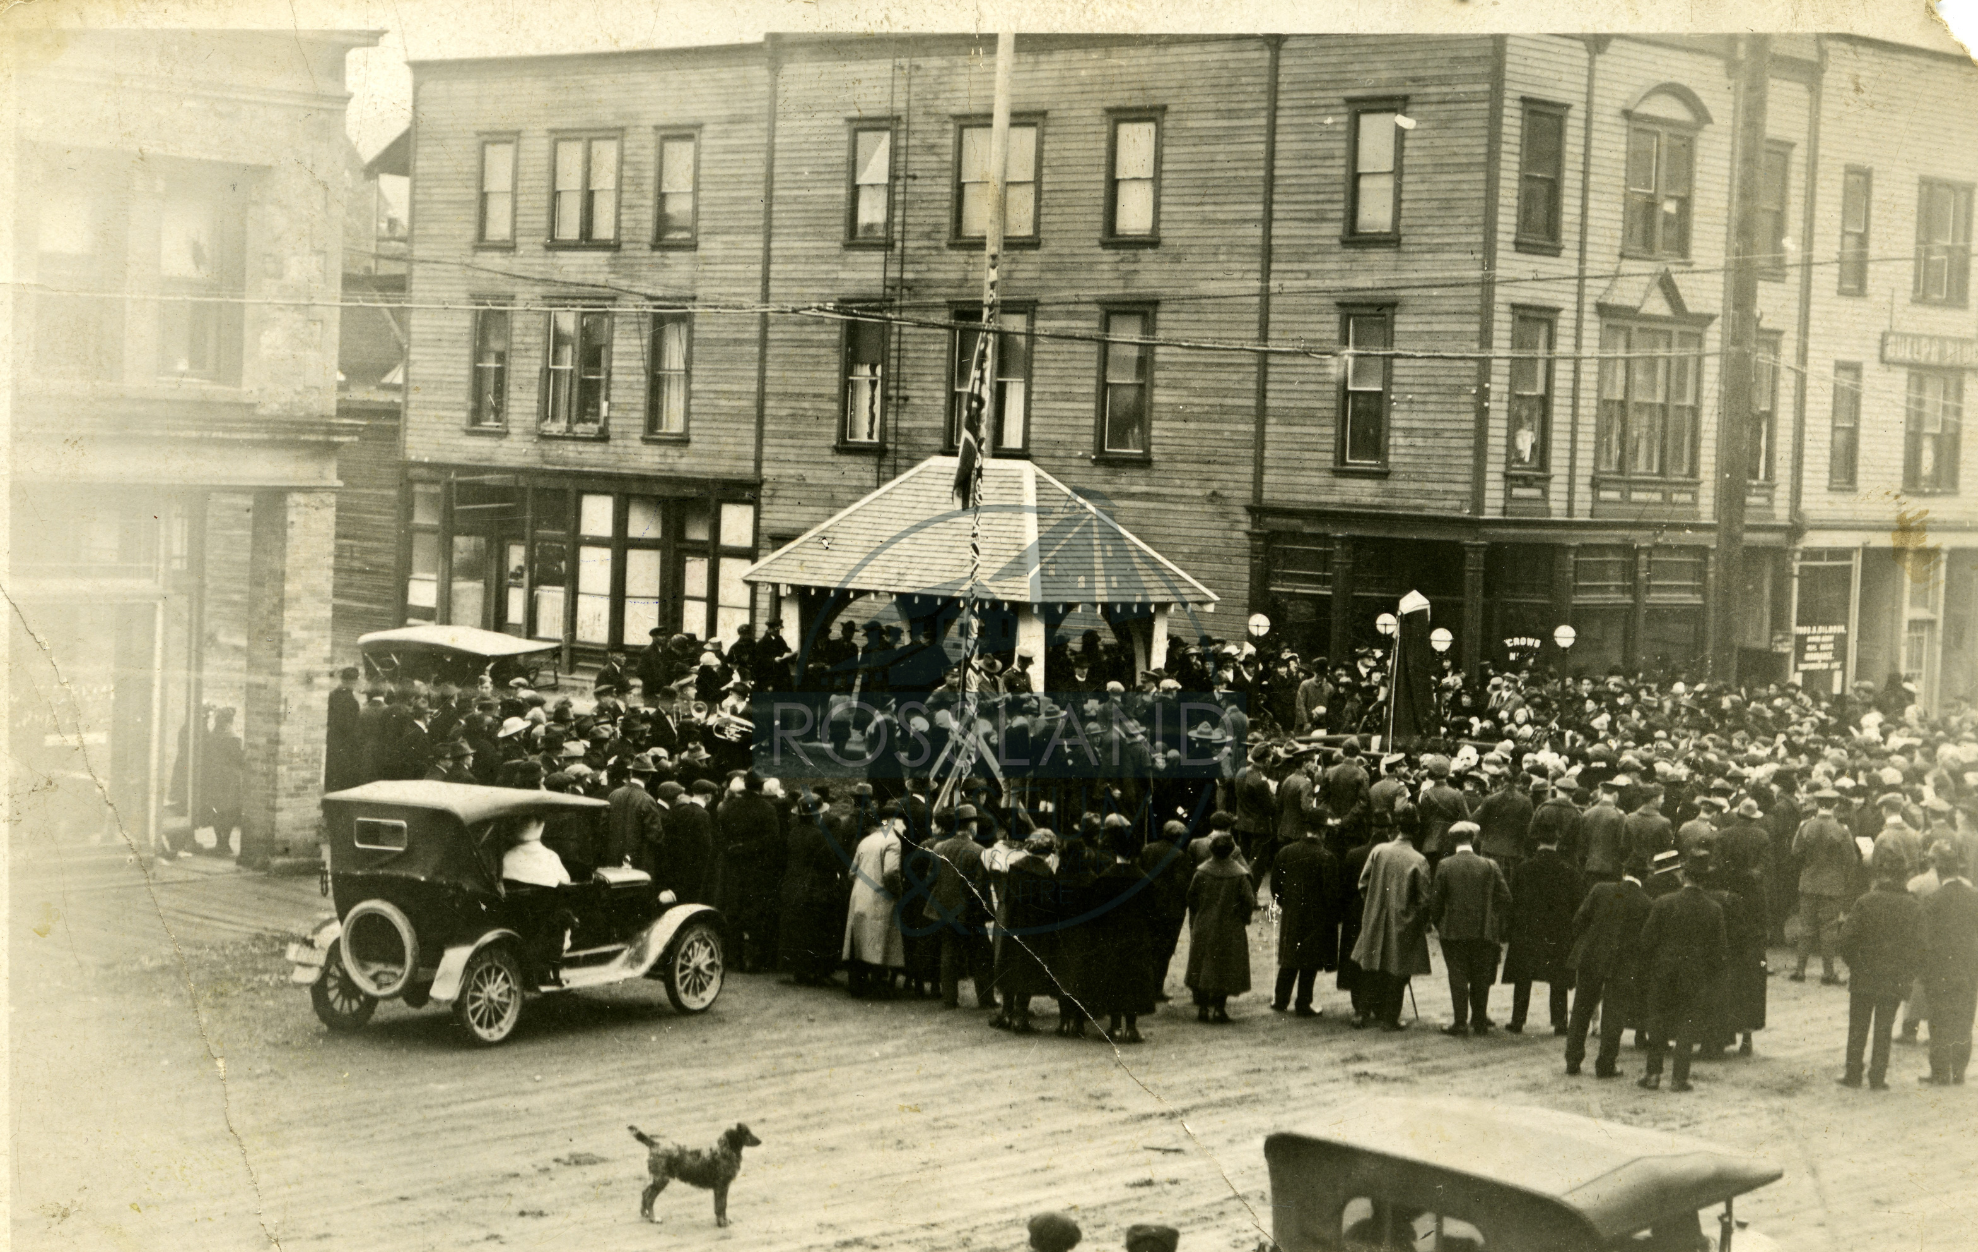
[1041, 544]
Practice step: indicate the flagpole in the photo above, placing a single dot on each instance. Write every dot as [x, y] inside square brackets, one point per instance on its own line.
[982, 388]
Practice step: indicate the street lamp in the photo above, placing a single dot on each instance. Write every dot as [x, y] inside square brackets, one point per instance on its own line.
[1565, 637]
[1260, 625]
[1387, 625]
[1440, 639]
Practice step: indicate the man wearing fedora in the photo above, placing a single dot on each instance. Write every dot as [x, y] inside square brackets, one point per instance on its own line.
[454, 763]
[633, 822]
[1442, 807]
[1683, 952]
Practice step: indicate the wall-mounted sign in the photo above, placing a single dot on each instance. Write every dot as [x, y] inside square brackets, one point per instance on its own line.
[1819, 648]
[1938, 351]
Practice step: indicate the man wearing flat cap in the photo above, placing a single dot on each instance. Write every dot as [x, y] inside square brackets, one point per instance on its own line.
[1054, 1232]
[1145, 1238]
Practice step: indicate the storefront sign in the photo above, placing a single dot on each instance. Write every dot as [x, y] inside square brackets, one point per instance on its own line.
[1937, 351]
[1819, 648]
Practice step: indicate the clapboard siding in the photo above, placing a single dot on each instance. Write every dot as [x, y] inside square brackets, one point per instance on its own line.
[1188, 501]
[365, 587]
[1879, 105]
[721, 92]
[1446, 84]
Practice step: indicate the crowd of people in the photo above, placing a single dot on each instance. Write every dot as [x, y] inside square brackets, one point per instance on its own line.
[1637, 845]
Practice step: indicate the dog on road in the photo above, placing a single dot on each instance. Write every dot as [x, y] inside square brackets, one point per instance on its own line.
[711, 1169]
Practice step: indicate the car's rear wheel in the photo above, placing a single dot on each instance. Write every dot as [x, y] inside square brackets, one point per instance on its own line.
[693, 970]
[339, 1002]
[490, 1000]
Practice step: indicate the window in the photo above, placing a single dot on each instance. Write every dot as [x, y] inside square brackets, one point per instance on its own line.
[1648, 401]
[422, 579]
[1363, 387]
[488, 406]
[1930, 437]
[1658, 193]
[676, 221]
[1764, 407]
[576, 383]
[77, 249]
[1019, 183]
[1844, 447]
[1373, 193]
[379, 834]
[199, 255]
[1009, 423]
[1126, 379]
[1943, 242]
[1857, 191]
[869, 213]
[1531, 391]
[1379, 1225]
[1541, 170]
[584, 191]
[497, 222]
[1133, 178]
[1773, 196]
[865, 384]
[666, 386]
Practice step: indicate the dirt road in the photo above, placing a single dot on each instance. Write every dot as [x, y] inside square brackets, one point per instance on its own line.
[178, 1100]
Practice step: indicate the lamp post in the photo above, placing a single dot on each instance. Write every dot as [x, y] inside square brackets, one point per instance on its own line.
[1564, 637]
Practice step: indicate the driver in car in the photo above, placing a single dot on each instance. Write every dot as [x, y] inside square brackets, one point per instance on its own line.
[548, 926]
[530, 862]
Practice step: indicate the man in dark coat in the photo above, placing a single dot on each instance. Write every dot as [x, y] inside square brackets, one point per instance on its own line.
[371, 723]
[1683, 952]
[811, 929]
[1556, 819]
[1605, 959]
[1256, 811]
[1827, 855]
[1470, 907]
[685, 865]
[1882, 943]
[632, 823]
[1545, 894]
[1348, 797]
[1168, 867]
[1305, 882]
[751, 832]
[1603, 836]
[1026, 918]
[959, 904]
[413, 752]
[1647, 830]
[1352, 979]
[1504, 820]
[343, 745]
[1950, 964]
[453, 762]
[1442, 807]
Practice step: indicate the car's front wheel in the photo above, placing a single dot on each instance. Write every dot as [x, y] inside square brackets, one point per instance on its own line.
[340, 1003]
[490, 1000]
[693, 971]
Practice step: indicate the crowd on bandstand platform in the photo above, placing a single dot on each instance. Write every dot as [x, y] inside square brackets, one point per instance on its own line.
[1637, 843]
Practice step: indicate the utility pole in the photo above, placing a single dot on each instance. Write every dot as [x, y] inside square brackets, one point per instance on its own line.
[1739, 372]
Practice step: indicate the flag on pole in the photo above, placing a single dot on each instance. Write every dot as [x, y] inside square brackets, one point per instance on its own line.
[969, 443]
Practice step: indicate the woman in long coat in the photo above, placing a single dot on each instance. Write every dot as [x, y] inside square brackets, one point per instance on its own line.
[1071, 942]
[1026, 915]
[874, 947]
[1125, 937]
[811, 929]
[1221, 899]
[1741, 990]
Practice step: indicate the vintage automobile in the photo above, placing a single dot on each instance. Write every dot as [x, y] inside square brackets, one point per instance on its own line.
[423, 914]
[1454, 1175]
[459, 654]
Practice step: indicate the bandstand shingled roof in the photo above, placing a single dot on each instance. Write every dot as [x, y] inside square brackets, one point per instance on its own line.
[1041, 543]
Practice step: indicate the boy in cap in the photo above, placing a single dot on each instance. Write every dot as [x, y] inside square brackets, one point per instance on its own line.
[1054, 1232]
